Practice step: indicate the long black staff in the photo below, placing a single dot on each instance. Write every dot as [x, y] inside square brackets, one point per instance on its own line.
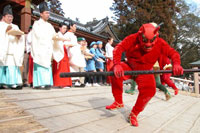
[87, 74]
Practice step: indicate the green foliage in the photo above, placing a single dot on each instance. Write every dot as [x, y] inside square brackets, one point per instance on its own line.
[187, 39]
[131, 14]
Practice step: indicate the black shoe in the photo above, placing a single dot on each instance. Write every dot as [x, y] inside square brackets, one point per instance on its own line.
[19, 87]
[37, 87]
[82, 85]
[47, 87]
[25, 85]
[2, 87]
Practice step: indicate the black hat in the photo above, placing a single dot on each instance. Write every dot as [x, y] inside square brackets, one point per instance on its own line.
[7, 10]
[43, 7]
[71, 23]
[62, 23]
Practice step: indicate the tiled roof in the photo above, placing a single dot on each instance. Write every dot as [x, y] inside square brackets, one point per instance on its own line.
[92, 28]
[196, 63]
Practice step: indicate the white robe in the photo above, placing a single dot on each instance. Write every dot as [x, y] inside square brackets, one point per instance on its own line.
[42, 43]
[58, 49]
[109, 51]
[72, 37]
[28, 42]
[3, 44]
[12, 48]
[76, 58]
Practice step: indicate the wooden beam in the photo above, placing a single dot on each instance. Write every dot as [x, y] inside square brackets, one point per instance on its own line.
[26, 16]
[7, 99]
[7, 108]
[39, 130]
[16, 118]
[196, 81]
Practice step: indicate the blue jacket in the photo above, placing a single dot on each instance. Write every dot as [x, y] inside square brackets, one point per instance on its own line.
[100, 54]
[93, 51]
[91, 62]
[100, 65]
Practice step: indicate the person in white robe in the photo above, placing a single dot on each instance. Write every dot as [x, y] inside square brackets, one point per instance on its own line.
[109, 49]
[42, 49]
[58, 50]
[12, 51]
[61, 60]
[109, 55]
[2, 53]
[76, 58]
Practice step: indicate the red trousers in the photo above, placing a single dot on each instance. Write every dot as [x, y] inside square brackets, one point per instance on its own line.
[146, 86]
[30, 70]
[165, 79]
[58, 67]
[109, 65]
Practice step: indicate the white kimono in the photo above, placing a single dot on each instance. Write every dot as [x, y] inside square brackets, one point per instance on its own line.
[11, 57]
[12, 48]
[3, 43]
[42, 43]
[58, 50]
[76, 58]
[109, 51]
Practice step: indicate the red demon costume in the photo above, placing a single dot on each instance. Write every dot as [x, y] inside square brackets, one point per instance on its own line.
[165, 77]
[142, 51]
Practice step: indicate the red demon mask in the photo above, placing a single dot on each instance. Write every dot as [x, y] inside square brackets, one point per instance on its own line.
[148, 34]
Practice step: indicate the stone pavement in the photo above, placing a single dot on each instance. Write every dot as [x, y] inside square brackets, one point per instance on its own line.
[82, 110]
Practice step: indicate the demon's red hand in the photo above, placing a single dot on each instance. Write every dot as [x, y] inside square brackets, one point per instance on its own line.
[118, 71]
[177, 70]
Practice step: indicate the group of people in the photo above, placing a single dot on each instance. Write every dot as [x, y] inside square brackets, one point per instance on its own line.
[184, 85]
[47, 54]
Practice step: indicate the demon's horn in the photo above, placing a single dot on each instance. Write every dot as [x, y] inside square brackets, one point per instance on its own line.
[158, 27]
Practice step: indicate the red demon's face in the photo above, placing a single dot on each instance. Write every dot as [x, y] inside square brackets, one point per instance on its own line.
[148, 37]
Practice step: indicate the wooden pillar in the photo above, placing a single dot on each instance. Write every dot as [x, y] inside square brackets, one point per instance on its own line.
[26, 16]
[196, 81]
